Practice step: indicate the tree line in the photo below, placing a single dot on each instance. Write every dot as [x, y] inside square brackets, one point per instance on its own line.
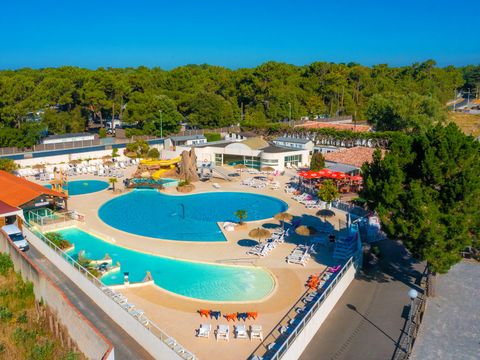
[392, 98]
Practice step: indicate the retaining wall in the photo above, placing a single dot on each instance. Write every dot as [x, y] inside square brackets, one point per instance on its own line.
[157, 348]
[308, 332]
[88, 339]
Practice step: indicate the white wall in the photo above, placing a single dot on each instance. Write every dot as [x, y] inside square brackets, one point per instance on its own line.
[151, 343]
[305, 336]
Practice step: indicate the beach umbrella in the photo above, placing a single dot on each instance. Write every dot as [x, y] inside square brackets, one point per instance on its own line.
[239, 166]
[38, 166]
[283, 217]
[267, 168]
[259, 233]
[106, 157]
[74, 162]
[305, 230]
[356, 178]
[108, 163]
[325, 213]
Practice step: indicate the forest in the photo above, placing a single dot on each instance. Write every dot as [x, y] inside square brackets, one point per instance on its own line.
[34, 102]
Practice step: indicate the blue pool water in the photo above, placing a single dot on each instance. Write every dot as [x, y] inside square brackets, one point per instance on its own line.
[189, 217]
[82, 187]
[192, 279]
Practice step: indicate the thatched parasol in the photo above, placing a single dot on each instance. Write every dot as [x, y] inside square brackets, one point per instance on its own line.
[38, 166]
[106, 157]
[74, 162]
[239, 166]
[108, 163]
[283, 217]
[325, 213]
[267, 168]
[259, 233]
[305, 230]
[131, 155]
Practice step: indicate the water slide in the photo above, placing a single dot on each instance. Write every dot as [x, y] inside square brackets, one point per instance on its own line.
[162, 163]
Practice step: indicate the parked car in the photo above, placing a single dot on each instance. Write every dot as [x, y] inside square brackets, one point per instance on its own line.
[16, 235]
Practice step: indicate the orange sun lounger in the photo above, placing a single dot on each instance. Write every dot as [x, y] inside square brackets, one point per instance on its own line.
[252, 315]
[204, 312]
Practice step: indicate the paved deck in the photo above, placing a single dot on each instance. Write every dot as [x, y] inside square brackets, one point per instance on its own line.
[125, 347]
[177, 315]
[451, 324]
[368, 320]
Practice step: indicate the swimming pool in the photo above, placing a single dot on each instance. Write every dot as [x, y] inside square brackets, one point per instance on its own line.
[192, 279]
[187, 217]
[82, 187]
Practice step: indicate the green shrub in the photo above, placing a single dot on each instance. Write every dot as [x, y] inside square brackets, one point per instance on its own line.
[213, 137]
[5, 314]
[58, 240]
[5, 264]
[22, 318]
[153, 153]
[102, 133]
[42, 351]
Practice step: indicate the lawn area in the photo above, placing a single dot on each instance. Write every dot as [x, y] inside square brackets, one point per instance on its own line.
[23, 335]
[470, 124]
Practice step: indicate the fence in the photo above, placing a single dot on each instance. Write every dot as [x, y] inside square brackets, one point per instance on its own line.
[148, 337]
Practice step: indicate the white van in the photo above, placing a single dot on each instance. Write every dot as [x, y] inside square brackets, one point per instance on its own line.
[15, 234]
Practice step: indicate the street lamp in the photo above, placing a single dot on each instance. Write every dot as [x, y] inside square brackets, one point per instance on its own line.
[412, 294]
[161, 124]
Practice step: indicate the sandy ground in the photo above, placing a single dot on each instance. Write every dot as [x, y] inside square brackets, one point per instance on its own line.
[178, 316]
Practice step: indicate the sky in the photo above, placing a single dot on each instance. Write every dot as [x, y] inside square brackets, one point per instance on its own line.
[235, 34]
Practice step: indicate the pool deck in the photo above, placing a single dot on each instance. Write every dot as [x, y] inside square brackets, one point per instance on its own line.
[177, 315]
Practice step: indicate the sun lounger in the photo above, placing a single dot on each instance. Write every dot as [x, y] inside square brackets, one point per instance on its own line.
[216, 185]
[241, 331]
[310, 297]
[204, 330]
[136, 313]
[127, 306]
[256, 332]
[223, 332]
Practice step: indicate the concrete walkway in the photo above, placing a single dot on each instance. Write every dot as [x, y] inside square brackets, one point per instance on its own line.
[370, 317]
[451, 325]
[125, 347]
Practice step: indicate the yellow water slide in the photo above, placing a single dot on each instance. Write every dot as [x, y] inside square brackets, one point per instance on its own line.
[162, 163]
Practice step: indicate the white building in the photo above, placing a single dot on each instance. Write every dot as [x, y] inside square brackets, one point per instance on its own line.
[239, 136]
[65, 138]
[254, 152]
[187, 140]
[294, 143]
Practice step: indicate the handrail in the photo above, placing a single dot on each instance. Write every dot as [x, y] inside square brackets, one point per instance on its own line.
[179, 349]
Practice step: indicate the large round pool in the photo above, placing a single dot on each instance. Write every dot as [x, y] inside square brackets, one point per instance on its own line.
[188, 217]
[82, 187]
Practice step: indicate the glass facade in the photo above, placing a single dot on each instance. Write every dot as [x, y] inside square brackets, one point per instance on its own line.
[293, 159]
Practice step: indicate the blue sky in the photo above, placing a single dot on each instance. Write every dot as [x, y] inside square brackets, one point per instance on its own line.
[93, 33]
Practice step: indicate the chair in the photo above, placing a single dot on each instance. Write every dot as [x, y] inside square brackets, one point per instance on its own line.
[223, 332]
[216, 185]
[256, 332]
[204, 330]
[241, 331]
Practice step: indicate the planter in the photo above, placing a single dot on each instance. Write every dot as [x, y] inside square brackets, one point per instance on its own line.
[185, 188]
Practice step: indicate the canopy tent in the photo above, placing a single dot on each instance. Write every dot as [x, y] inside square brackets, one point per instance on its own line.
[324, 173]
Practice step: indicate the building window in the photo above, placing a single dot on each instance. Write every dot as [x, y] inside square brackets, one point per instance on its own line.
[218, 159]
[269, 162]
[293, 159]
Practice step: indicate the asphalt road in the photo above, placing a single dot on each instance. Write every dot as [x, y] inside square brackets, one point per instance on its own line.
[126, 348]
[367, 322]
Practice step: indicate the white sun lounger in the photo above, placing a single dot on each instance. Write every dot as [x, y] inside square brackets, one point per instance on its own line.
[216, 185]
[256, 332]
[204, 330]
[241, 331]
[223, 332]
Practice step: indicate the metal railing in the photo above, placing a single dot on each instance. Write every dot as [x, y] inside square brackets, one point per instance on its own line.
[277, 353]
[152, 327]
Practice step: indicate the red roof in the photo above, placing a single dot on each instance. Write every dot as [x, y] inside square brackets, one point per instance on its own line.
[320, 125]
[16, 191]
[6, 209]
[354, 156]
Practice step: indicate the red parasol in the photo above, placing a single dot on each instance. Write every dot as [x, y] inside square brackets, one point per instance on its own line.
[309, 174]
[356, 178]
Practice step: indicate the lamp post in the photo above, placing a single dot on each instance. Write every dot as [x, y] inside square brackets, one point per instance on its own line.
[412, 294]
[161, 124]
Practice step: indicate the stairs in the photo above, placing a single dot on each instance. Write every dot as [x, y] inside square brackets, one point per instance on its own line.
[344, 248]
[221, 173]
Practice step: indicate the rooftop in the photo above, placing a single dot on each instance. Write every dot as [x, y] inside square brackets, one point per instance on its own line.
[187, 137]
[7, 209]
[355, 156]
[16, 191]
[293, 139]
[277, 149]
[255, 143]
[321, 125]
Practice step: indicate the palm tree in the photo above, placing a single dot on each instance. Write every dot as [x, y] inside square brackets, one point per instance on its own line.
[113, 181]
[241, 214]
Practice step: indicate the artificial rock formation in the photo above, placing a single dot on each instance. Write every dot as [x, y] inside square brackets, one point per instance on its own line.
[188, 166]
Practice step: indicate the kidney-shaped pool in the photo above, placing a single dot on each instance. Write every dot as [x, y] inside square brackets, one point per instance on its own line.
[192, 279]
[187, 217]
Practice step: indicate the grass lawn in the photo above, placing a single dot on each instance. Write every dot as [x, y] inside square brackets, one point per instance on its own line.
[470, 124]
